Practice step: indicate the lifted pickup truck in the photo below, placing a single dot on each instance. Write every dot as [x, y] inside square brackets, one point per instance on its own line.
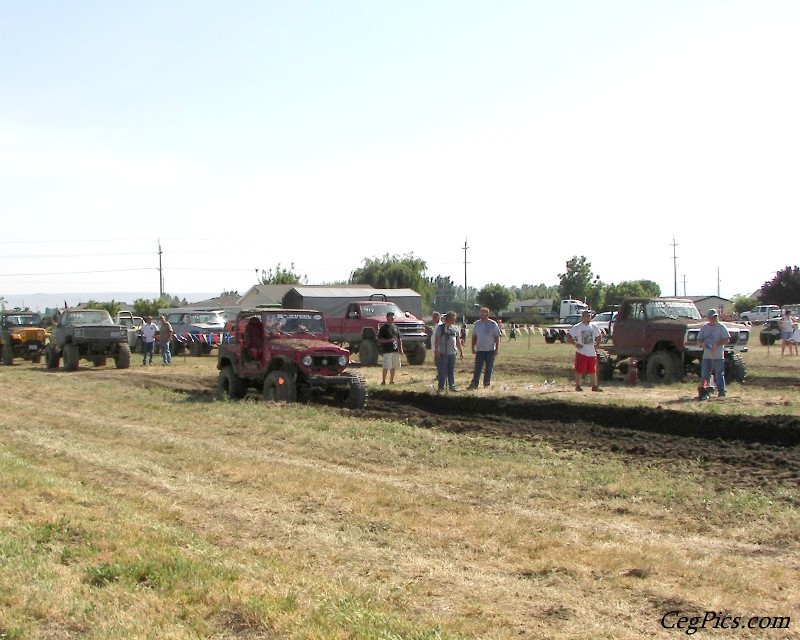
[660, 335]
[90, 334]
[359, 330]
[197, 332]
[21, 336]
[286, 355]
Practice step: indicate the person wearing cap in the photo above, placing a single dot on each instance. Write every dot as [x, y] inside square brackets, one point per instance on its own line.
[785, 324]
[586, 338]
[447, 344]
[149, 331]
[165, 337]
[713, 336]
[391, 344]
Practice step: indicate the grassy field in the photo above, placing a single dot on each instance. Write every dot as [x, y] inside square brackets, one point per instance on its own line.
[133, 512]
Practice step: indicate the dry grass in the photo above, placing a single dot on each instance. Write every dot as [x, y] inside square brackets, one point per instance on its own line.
[139, 513]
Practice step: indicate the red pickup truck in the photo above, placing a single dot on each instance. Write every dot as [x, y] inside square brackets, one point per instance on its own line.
[358, 330]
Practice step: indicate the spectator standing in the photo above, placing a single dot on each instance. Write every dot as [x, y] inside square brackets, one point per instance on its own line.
[447, 344]
[785, 325]
[391, 345]
[796, 337]
[586, 338]
[713, 336]
[149, 330]
[165, 339]
[485, 346]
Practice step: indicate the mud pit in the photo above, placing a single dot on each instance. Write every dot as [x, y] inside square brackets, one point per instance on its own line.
[738, 450]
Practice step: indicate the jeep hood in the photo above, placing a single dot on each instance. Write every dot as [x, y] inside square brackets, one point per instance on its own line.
[305, 344]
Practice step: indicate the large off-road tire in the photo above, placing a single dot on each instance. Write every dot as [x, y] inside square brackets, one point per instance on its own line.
[368, 352]
[279, 386]
[7, 357]
[549, 339]
[664, 367]
[735, 368]
[605, 367]
[230, 386]
[51, 358]
[357, 396]
[122, 359]
[195, 349]
[416, 356]
[71, 357]
[766, 338]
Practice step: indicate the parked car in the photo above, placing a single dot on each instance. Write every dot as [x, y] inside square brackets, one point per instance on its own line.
[762, 313]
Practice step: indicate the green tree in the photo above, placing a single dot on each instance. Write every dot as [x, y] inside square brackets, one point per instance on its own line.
[144, 308]
[495, 297]
[395, 272]
[445, 294]
[616, 293]
[282, 276]
[576, 281]
[742, 303]
[112, 307]
[783, 289]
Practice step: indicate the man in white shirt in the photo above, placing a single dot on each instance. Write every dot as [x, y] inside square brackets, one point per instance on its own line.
[586, 338]
[149, 330]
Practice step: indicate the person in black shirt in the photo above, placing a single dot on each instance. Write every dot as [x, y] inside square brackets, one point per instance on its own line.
[392, 347]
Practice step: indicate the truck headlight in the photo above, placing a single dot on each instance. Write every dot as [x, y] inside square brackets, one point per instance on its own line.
[78, 333]
[343, 360]
[307, 361]
[691, 336]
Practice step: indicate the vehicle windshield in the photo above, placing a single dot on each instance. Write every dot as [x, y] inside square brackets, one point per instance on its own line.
[602, 317]
[206, 318]
[295, 323]
[24, 320]
[89, 316]
[672, 309]
[380, 309]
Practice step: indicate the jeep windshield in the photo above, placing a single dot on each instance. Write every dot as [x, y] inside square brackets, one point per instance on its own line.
[295, 323]
[24, 320]
[672, 309]
[380, 309]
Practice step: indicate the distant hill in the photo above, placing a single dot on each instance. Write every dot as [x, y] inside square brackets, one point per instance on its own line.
[42, 301]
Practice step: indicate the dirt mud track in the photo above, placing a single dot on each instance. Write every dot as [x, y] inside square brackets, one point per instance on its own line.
[738, 450]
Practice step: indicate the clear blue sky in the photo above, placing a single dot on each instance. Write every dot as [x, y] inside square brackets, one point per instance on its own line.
[247, 134]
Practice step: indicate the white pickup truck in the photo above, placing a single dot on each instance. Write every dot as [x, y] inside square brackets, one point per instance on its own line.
[762, 313]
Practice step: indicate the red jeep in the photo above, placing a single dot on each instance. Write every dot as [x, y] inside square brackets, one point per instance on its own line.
[285, 354]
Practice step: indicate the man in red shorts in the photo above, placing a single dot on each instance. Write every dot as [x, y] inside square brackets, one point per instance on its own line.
[586, 338]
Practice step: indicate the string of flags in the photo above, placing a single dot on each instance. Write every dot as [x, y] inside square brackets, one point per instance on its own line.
[204, 338]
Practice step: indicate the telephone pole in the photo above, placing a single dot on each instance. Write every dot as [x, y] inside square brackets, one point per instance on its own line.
[675, 266]
[160, 273]
[466, 291]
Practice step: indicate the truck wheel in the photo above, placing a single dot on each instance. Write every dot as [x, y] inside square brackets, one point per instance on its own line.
[357, 397]
[230, 386]
[176, 347]
[663, 367]
[368, 352]
[279, 387]
[195, 349]
[51, 358]
[8, 355]
[417, 356]
[71, 357]
[122, 360]
[549, 339]
[766, 338]
[735, 368]
[137, 346]
[562, 337]
[605, 367]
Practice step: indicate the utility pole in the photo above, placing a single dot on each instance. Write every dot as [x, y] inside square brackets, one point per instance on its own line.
[466, 291]
[675, 266]
[684, 285]
[160, 273]
[718, 296]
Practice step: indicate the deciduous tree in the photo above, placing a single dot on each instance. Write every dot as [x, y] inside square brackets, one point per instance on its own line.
[783, 289]
[495, 297]
[282, 276]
